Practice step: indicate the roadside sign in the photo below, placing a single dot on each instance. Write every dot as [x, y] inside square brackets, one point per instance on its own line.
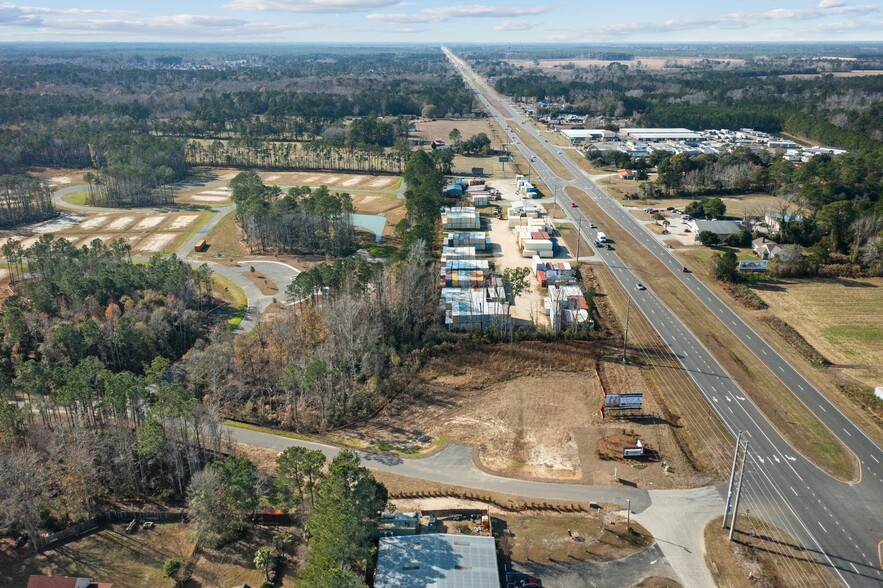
[624, 401]
[753, 265]
[633, 452]
[504, 159]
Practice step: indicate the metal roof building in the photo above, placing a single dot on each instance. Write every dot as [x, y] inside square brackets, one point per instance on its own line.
[437, 561]
[654, 135]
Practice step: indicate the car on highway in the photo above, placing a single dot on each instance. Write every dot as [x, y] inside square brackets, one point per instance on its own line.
[592, 226]
[573, 204]
[532, 158]
[684, 269]
[640, 286]
[609, 247]
[559, 152]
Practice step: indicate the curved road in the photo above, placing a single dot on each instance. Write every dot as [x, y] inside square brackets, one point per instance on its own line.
[843, 522]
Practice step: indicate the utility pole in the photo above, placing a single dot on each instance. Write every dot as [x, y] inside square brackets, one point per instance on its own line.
[628, 515]
[732, 477]
[579, 236]
[625, 337]
[739, 490]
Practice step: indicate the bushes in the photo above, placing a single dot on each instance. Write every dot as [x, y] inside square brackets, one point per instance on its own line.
[745, 295]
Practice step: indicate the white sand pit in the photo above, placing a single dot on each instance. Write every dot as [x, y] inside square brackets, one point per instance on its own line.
[218, 192]
[199, 198]
[331, 180]
[183, 221]
[155, 243]
[381, 182]
[311, 180]
[352, 181]
[148, 222]
[120, 224]
[55, 225]
[93, 223]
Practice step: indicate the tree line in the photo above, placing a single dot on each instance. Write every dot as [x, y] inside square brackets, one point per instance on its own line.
[24, 199]
[302, 220]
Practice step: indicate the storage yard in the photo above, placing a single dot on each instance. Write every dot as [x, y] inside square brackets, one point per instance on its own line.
[481, 242]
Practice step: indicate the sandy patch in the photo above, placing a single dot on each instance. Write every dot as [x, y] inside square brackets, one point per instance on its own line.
[352, 181]
[70, 238]
[272, 178]
[93, 223]
[4, 274]
[149, 222]
[183, 221]
[209, 198]
[155, 243]
[60, 180]
[229, 176]
[311, 180]
[382, 182]
[218, 192]
[25, 243]
[120, 223]
[332, 180]
[56, 224]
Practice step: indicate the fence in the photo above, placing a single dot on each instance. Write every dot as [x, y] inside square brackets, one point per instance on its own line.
[49, 539]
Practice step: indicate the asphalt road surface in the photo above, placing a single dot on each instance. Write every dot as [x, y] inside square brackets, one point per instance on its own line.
[842, 523]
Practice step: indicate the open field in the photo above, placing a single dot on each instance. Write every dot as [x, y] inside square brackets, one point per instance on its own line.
[223, 241]
[441, 128]
[134, 560]
[656, 63]
[532, 411]
[841, 318]
[796, 423]
[760, 557]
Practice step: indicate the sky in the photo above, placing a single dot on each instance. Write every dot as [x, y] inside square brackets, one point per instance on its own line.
[449, 21]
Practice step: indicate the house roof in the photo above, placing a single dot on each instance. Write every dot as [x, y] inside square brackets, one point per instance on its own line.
[718, 227]
[762, 241]
[36, 581]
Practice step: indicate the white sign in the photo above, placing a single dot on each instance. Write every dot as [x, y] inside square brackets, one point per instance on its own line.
[758, 265]
[631, 400]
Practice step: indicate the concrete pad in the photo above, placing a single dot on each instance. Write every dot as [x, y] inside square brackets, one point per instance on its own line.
[65, 221]
[331, 180]
[183, 221]
[149, 222]
[310, 181]
[199, 198]
[156, 243]
[120, 224]
[93, 223]
[382, 182]
[352, 181]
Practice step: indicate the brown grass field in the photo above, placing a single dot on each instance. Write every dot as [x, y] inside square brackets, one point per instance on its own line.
[797, 424]
[760, 557]
[112, 555]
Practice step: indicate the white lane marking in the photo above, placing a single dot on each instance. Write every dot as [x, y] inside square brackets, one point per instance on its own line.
[853, 567]
[875, 459]
[763, 351]
[793, 490]
[801, 387]
[781, 369]
[847, 432]
[728, 398]
[789, 458]
[731, 410]
[762, 461]
[740, 397]
[823, 528]
[776, 457]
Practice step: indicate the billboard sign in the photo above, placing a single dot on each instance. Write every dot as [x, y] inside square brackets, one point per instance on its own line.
[624, 401]
[504, 159]
[753, 265]
[633, 452]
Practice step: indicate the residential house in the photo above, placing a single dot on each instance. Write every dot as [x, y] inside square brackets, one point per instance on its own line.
[762, 247]
[775, 220]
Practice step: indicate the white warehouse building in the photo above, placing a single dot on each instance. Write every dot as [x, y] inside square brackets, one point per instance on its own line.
[656, 135]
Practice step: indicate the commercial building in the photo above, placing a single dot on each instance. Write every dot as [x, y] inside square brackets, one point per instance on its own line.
[654, 135]
[577, 136]
[437, 561]
[721, 228]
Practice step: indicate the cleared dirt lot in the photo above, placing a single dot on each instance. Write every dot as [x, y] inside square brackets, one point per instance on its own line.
[531, 409]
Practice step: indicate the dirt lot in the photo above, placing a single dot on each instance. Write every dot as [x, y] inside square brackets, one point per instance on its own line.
[759, 557]
[796, 422]
[531, 409]
[112, 555]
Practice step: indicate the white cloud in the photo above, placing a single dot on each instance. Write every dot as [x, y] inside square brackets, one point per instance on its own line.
[70, 11]
[733, 20]
[446, 13]
[314, 6]
[516, 25]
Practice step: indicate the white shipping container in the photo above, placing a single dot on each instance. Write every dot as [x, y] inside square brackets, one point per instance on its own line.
[530, 253]
[537, 244]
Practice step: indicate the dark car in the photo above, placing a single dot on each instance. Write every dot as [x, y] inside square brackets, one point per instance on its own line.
[573, 204]
[640, 286]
